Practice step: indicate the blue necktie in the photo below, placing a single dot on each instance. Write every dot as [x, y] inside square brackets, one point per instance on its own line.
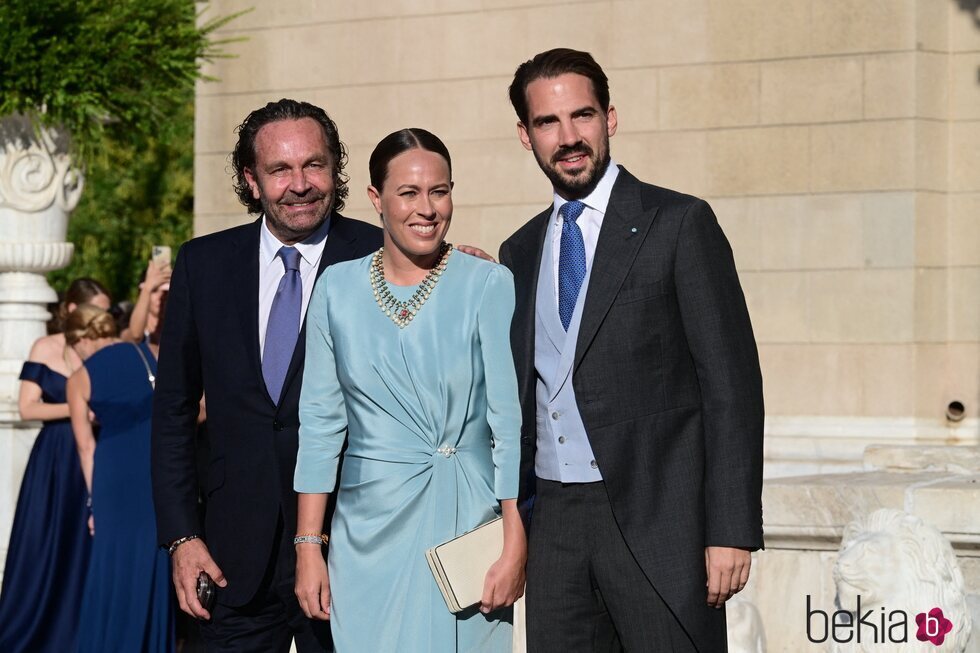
[571, 261]
[282, 329]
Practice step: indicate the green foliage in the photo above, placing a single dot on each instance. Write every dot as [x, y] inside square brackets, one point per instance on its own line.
[105, 70]
[138, 195]
[118, 76]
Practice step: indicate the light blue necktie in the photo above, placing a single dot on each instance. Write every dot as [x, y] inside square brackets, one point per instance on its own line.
[282, 329]
[571, 261]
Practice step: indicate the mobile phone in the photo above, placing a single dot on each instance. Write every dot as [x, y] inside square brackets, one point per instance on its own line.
[206, 593]
[161, 255]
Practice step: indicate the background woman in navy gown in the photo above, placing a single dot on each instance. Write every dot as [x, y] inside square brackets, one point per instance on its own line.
[49, 542]
[126, 603]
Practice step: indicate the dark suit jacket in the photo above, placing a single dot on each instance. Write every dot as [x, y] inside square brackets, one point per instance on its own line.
[668, 384]
[210, 344]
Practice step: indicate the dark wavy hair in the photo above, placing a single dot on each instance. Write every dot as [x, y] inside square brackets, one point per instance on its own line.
[400, 141]
[551, 64]
[243, 155]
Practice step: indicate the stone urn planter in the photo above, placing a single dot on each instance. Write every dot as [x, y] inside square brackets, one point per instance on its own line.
[39, 187]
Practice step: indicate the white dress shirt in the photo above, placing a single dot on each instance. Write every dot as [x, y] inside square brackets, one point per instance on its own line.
[589, 222]
[271, 270]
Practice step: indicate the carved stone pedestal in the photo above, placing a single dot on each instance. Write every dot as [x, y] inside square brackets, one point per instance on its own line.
[38, 189]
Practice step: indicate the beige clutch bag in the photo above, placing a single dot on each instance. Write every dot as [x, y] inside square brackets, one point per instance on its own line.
[460, 565]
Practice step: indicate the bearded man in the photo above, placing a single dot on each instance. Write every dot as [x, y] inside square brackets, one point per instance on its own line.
[640, 386]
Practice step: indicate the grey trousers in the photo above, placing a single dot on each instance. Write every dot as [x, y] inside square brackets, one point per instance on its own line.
[585, 591]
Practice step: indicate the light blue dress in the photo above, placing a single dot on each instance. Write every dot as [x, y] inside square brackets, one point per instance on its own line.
[432, 422]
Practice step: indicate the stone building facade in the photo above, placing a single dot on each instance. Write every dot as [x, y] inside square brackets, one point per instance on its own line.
[837, 140]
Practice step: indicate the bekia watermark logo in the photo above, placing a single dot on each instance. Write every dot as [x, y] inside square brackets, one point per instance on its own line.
[881, 626]
[933, 626]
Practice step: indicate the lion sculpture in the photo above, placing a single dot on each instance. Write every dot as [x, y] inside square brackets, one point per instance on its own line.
[746, 633]
[895, 561]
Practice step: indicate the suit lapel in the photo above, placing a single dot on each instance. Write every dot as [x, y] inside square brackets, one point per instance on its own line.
[338, 245]
[336, 249]
[247, 285]
[527, 265]
[624, 228]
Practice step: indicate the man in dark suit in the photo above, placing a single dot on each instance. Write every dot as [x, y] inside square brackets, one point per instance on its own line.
[641, 390]
[234, 333]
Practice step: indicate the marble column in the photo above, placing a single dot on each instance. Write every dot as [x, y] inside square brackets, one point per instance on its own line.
[38, 189]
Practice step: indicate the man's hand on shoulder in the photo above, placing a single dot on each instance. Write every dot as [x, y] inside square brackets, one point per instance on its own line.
[189, 560]
[728, 572]
[475, 251]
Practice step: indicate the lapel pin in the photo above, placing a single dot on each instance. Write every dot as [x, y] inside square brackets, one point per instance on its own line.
[633, 229]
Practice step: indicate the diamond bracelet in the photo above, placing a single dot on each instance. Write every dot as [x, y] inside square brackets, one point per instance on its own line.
[312, 538]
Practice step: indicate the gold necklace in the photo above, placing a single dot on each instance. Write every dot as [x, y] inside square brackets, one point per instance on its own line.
[403, 312]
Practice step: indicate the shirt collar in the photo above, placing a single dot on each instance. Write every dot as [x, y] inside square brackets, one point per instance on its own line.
[310, 248]
[598, 199]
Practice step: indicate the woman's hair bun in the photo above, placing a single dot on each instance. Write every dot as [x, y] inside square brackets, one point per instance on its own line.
[88, 322]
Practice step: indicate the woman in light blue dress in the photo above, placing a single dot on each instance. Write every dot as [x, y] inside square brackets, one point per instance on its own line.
[408, 360]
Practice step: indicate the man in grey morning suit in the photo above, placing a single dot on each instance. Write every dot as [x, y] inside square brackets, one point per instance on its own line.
[640, 386]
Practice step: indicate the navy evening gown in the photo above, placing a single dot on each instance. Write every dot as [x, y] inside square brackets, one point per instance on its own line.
[127, 603]
[49, 542]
